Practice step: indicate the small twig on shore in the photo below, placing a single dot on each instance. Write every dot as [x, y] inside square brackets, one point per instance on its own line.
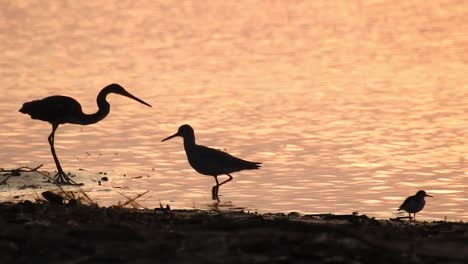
[6, 179]
[399, 218]
[17, 172]
[329, 216]
[132, 200]
[165, 210]
[88, 199]
[68, 195]
[59, 198]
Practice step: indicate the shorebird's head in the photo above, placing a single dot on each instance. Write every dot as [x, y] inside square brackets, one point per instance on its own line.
[422, 194]
[184, 131]
[118, 89]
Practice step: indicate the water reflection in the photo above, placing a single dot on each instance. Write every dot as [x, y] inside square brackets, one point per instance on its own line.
[354, 108]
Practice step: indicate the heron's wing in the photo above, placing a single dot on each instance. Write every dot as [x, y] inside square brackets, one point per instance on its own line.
[53, 109]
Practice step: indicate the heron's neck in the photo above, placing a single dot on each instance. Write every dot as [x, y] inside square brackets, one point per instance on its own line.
[103, 111]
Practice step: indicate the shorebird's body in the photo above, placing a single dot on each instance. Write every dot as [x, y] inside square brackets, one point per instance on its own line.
[211, 162]
[414, 204]
[60, 109]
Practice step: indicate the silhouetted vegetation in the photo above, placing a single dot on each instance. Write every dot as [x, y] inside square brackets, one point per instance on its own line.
[81, 232]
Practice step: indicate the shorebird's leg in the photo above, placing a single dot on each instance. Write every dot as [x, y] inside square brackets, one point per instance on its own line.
[214, 190]
[414, 217]
[60, 177]
[226, 181]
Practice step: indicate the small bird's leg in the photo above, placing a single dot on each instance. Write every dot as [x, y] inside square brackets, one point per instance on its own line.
[414, 219]
[60, 177]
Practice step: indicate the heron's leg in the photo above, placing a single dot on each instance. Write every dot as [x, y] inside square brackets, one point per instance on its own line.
[52, 148]
[214, 190]
[60, 177]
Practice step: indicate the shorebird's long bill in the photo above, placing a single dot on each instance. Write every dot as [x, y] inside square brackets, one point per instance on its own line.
[169, 137]
[429, 195]
[129, 95]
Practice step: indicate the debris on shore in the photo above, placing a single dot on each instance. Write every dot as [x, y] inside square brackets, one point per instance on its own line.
[54, 232]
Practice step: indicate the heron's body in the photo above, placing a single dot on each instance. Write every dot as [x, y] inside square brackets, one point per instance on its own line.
[57, 109]
[414, 204]
[211, 162]
[60, 109]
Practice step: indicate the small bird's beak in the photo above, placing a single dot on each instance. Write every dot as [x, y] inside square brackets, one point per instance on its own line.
[169, 137]
[129, 95]
[429, 195]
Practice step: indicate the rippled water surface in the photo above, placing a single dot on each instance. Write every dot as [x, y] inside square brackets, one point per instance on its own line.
[350, 105]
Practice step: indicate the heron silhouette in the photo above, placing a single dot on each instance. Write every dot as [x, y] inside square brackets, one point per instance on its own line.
[211, 162]
[60, 109]
[414, 203]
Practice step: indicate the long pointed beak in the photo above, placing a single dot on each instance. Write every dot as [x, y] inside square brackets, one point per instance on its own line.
[169, 137]
[129, 95]
[429, 195]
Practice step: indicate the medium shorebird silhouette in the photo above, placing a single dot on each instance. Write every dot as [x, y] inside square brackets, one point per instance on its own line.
[210, 161]
[414, 203]
[60, 109]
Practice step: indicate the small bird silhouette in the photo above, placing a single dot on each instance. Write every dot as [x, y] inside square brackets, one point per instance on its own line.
[60, 109]
[414, 204]
[210, 161]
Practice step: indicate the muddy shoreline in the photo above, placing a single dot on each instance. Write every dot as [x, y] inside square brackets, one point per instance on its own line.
[40, 232]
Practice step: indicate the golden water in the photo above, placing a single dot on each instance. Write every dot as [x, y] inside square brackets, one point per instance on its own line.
[350, 105]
